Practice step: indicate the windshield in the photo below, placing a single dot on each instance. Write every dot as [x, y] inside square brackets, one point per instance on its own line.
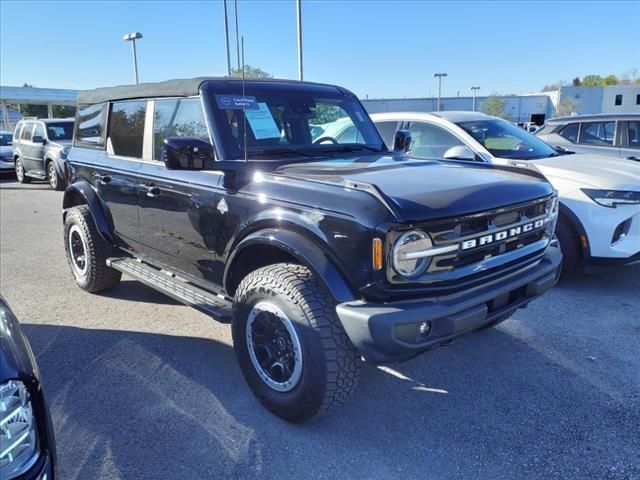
[5, 139]
[281, 121]
[60, 131]
[504, 140]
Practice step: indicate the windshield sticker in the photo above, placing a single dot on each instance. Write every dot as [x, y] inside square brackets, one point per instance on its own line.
[262, 122]
[236, 102]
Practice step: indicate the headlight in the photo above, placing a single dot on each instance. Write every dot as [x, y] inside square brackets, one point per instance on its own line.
[612, 198]
[18, 437]
[65, 151]
[410, 243]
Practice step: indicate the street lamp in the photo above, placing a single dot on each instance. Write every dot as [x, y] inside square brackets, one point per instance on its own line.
[474, 90]
[132, 37]
[439, 76]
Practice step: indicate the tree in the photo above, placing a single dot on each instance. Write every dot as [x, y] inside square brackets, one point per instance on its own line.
[609, 80]
[591, 80]
[552, 87]
[64, 111]
[494, 105]
[566, 106]
[576, 82]
[250, 72]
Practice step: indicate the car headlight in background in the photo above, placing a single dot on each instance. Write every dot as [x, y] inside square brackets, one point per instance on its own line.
[612, 198]
[65, 151]
[18, 436]
[406, 254]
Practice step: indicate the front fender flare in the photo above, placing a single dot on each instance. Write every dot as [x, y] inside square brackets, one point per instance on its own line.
[306, 251]
[90, 197]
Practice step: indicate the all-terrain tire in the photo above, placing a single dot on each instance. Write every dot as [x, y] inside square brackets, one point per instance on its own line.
[21, 175]
[96, 275]
[330, 363]
[569, 246]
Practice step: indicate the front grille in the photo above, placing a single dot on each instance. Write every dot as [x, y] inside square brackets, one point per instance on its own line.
[509, 242]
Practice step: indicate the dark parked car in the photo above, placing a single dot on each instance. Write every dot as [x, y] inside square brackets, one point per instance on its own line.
[319, 252]
[40, 147]
[27, 447]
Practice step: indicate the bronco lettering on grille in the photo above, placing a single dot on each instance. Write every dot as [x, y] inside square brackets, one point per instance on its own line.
[502, 235]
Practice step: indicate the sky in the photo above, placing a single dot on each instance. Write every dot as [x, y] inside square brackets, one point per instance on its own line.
[375, 48]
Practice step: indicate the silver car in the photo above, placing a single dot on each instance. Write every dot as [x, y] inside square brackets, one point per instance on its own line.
[614, 135]
[6, 151]
[40, 147]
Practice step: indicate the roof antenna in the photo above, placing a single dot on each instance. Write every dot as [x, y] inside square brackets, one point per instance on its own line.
[244, 104]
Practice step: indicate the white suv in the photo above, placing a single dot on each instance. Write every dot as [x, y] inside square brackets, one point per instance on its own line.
[599, 219]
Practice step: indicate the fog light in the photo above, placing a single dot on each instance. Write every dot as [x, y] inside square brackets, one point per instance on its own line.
[424, 329]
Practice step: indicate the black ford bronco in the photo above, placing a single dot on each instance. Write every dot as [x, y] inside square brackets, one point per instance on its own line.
[227, 196]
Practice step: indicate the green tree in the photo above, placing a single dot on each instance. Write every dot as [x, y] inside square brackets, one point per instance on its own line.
[609, 80]
[494, 106]
[250, 72]
[576, 82]
[64, 111]
[566, 106]
[591, 80]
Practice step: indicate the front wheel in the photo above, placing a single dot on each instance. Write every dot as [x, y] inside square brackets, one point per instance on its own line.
[55, 181]
[569, 246]
[291, 347]
[21, 176]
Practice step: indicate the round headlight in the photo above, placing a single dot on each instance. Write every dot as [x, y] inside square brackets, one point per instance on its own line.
[406, 254]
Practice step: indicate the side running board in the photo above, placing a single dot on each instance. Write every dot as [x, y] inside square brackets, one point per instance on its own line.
[215, 305]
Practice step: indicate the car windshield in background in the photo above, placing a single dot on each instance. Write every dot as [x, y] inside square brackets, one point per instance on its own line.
[505, 140]
[281, 123]
[60, 131]
[5, 139]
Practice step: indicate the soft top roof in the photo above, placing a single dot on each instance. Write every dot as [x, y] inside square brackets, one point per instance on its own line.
[169, 88]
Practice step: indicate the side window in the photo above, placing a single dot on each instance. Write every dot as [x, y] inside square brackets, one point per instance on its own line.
[387, 132]
[90, 125]
[38, 130]
[570, 132]
[177, 118]
[348, 135]
[26, 131]
[634, 134]
[597, 133]
[430, 140]
[126, 128]
[618, 101]
[16, 133]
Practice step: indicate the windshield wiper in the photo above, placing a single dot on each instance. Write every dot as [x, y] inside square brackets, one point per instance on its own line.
[352, 148]
[280, 151]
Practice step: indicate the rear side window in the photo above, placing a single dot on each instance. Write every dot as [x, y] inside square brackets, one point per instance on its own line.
[26, 131]
[597, 133]
[570, 132]
[16, 133]
[90, 125]
[387, 131]
[126, 128]
[633, 132]
[177, 118]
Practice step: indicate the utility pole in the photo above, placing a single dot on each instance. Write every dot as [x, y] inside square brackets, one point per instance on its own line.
[439, 77]
[226, 38]
[474, 90]
[235, 6]
[299, 22]
[132, 37]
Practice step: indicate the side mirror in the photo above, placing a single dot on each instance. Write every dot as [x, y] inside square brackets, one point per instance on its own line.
[459, 152]
[186, 153]
[402, 141]
[38, 139]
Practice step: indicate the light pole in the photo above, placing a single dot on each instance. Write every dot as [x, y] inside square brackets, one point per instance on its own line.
[299, 23]
[474, 90]
[132, 37]
[439, 75]
[226, 38]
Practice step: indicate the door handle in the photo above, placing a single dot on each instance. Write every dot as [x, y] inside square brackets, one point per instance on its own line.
[633, 158]
[102, 179]
[150, 190]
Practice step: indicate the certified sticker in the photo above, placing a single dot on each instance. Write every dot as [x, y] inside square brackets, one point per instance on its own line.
[236, 102]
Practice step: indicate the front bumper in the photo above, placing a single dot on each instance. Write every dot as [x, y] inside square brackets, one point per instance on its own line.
[388, 332]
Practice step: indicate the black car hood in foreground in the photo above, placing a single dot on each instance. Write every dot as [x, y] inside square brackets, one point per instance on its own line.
[419, 190]
[16, 359]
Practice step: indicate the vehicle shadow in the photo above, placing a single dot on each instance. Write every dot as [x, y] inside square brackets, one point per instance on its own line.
[140, 405]
[134, 291]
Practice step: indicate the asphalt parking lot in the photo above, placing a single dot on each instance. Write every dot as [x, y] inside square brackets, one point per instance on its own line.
[141, 387]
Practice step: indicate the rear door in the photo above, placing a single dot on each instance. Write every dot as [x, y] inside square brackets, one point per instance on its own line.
[177, 207]
[25, 146]
[37, 149]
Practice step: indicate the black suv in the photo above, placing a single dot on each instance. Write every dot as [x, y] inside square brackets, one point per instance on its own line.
[320, 254]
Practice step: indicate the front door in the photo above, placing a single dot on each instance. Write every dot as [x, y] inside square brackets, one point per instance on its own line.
[177, 208]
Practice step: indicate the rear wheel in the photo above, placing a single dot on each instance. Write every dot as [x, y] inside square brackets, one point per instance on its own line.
[87, 252]
[20, 172]
[55, 181]
[291, 347]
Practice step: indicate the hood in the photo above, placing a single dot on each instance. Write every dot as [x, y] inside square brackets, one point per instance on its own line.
[592, 171]
[61, 143]
[16, 357]
[421, 190]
